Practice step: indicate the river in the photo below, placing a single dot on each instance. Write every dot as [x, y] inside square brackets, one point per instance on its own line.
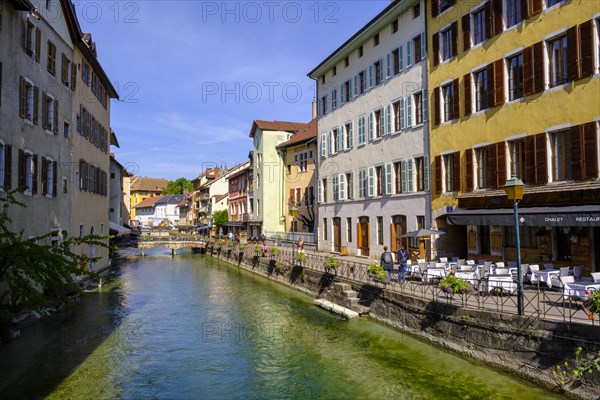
[194, 327]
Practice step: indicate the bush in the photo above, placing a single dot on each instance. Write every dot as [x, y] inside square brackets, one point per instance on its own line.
[333, 263]
[452, 284]
[376, 271]
[275, 251]
[301, 256]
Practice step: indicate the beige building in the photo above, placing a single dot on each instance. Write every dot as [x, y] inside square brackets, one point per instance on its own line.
[137, 188]
[298, 160]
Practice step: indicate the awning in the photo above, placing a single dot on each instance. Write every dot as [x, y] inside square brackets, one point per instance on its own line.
[586, 215]
[121, 230]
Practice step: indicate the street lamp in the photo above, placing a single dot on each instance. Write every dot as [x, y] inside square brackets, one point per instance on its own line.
[514, 188]
[293, 212]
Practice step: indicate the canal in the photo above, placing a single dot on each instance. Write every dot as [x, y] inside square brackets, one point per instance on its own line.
[193, 327]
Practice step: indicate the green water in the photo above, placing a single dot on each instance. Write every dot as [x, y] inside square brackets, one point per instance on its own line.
[192, 327]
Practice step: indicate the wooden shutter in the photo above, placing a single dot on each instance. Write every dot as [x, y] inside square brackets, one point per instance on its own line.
[499, 82]
[492, 167]
[435, 41]
[501, 164]
[469, 162]
[7, 166]
[55, 174]
[488, 20]
[467, 91]
[586, 49]
[456, 172]
[436, 106]
[576, 136]
[528, 88]
[497, 16]
[572, 54]
[538, 67]
[64, 72]
[291, 198]
[34, 175]
[524, 9]
[44, 177]
[541, 163]
[454, 28]
[435, 8]
[535, 7]
[36, 102]
[438, 174]
[22, 174]
[38, 44]
[73, 75]
[22, 98]
[455, 100]
[490, 77]
[590, 150]
[529, 177]
[466, 29]
[55, 127]
[44, 111]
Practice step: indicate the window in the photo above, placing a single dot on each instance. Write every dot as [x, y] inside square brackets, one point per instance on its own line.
[479, 26]
[323, 105]
[409, 113]
[323, 145]
[64, 184]
[396, 61]
[448, 98]
[480, 80]
[362, 82]
[349, 136]
[33, 41]
[362, 183]
[515, 77]
[422, 172]
[451, 172]
[376, 40]
[346, 62]
[334, 70]
[85, 72]
[333, 99]
[482, 168]
[398, 176]
[417, 11]
[380, 230]
[50, 114]
[379, 177]
[418, 100]
[325, 229]
[447, 42]
[378, 123]
[334, 141]
[27, 172]
[324, 189]
[551, 3]
[378, 67]
[395, 26]
[81, 230]
[28, 108]
[349, 230]
[65, 70]
[418, 46]
[557, 61]
[350, 185]
[48, 177]
[361, 130]
[51, 57]
[561, 155]
[527, 236]
[360, 51]
[346, 91]
[517, 159]
[445, 4]
[512, 12]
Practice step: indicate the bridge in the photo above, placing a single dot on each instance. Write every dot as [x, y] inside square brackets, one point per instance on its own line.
[171, 242]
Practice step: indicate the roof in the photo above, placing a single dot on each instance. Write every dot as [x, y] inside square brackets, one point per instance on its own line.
[113, 139]
[22, 5]
[171, 199]
[139, 184]
[275, 126]
[369, 29]
[220, 197]
[149, 202]
[308, 132]
[124, 172]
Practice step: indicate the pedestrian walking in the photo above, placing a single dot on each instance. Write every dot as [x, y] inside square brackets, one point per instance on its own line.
[387, 262]
[402, 259]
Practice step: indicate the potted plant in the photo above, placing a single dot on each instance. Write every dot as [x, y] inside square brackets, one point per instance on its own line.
[301, 257]
[451, 285]
[376, 271]
[332, 264]
[591, 305]
[274, 251]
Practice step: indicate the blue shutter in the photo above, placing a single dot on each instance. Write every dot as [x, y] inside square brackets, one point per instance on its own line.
[351, 134]
[342, 186]
[423, 46]
[343, 93]
[409, 111]
[388, 65]
[370, 126]
[336, 188]
[323, 145]
[426, 172]
[371, 181]
[409, 176]
[402, 115]
[425, 105]
[404, 182]
[408, 53]
[388, 179]
[401, 58]
[388, 122]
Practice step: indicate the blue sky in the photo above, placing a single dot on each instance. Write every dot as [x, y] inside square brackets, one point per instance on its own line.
[193, 75]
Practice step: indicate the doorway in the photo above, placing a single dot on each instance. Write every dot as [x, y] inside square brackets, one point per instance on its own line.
[363, 236]
[398, 229]
[337, 234]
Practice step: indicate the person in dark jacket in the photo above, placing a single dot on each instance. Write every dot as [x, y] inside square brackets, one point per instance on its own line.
[387, 262]
[402, 259]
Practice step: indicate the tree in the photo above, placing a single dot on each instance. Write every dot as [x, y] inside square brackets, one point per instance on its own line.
[31, 271]
[221, 219]
[178, 186]
[308, 219]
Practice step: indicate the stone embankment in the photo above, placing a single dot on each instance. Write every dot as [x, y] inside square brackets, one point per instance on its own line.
[527, 347]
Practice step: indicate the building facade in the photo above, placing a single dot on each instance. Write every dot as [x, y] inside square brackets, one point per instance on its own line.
[238, 205]
[515, 91]
[268, 196]
[373, 152]
[139, 188]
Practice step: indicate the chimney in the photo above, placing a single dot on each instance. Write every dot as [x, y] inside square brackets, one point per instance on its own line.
[314, 108]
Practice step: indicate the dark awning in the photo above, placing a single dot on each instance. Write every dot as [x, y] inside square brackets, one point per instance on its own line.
[586, 215]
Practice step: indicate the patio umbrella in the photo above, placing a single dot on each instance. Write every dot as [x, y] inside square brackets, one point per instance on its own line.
[423, 235]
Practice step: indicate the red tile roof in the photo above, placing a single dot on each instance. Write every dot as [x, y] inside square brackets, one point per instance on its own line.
[149, 202]
[148, 184]
[308, 132]
[275, 126]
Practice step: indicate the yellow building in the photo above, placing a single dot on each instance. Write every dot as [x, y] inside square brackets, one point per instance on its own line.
[139, 188]
[298, 156]
[515, 91]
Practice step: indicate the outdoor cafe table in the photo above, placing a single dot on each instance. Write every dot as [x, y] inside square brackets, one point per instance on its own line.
[501, 281]
[434, 272]
[579, 289]
[545, 276]
[467, 276]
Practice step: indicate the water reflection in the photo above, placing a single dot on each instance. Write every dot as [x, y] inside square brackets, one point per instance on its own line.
[193, 327]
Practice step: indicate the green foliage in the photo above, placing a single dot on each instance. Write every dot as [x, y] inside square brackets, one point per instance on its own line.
[376, 271]
[178, 186]
[32, 271]
[592, 303]
[452, 284]
[565, 374]
[220, 218]
[257, 248]
[301, 256]
[332, 262]
[279, 267]
[274, 251]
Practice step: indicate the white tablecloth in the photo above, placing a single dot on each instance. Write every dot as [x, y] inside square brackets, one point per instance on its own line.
[433, 272]
[501, 281]
[579, 289]
[545, 276]
[467, 276]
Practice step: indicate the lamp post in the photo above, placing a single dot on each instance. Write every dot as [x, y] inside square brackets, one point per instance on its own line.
[293, 212]
[514, 189]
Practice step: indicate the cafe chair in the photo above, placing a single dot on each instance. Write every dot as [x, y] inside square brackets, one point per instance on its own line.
[530, 276]
[559, 281]
[596, 277]
[564, 271]
[577, 271]
[549, 266]
[443, 259]
[500, 264]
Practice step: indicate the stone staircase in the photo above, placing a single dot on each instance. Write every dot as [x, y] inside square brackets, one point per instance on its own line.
[344, 295]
